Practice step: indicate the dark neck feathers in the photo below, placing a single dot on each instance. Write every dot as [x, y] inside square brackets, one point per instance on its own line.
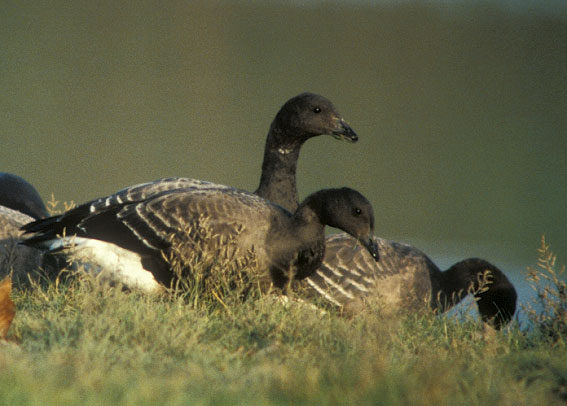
[277, 182]
[495, 295]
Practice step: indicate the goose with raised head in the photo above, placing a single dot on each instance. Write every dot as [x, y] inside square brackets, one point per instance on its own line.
[132, 240]
[405, 279]
[300, 118]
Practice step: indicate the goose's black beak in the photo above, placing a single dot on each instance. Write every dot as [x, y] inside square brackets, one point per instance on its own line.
[372, 246]
[344, 132]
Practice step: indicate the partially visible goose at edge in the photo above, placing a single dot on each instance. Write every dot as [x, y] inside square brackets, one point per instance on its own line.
[405, 279]
[131, 239]
[20, 203]
[300, 118]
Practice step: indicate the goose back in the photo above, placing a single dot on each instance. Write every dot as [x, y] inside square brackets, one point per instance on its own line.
[300, 118]
[349, 277]
[127, 232]
[10, 222]
[16, 259]
[206, 224]
[405, 279]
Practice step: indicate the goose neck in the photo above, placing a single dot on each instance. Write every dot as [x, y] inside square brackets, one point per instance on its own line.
[277, 182]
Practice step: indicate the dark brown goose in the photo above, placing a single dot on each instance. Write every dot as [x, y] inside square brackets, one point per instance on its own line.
[128, 239]
[405, 279]
[302, 117]
[20, 204]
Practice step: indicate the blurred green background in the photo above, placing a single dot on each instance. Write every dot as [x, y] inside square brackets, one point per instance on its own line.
[461, 108]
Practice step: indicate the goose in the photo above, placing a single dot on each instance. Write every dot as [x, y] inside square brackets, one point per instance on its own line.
[403, 279]
[406, 279]
[18, 194]
[134, 239]
[20, 203]
[300, 118]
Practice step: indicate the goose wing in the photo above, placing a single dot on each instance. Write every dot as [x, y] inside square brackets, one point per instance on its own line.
[349, 272]
[150, 217]
[72, 220]
[184, 215]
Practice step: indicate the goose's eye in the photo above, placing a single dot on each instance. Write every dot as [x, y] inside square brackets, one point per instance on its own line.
[316, 110]
[357, 212]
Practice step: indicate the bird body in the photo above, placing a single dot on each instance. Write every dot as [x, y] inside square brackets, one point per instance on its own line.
[348, 278]
[167, 215]
[406, 280]
[136, 240]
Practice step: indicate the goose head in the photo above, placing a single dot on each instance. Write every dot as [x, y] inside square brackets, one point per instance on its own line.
[309, 115]
[350, 211]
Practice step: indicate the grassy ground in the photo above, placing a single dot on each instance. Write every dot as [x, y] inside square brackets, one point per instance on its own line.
[77, 342]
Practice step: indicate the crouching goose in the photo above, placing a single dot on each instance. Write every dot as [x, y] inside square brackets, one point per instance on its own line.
[405, 279]
[131, 240]
[20, 204]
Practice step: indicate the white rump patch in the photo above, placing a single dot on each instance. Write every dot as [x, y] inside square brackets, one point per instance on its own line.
[110, 261]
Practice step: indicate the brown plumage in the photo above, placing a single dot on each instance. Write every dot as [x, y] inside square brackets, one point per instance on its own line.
[236, 223]
[300, 118]
[405, 279]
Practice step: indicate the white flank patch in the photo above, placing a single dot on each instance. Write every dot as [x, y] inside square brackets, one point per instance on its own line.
[110, 261]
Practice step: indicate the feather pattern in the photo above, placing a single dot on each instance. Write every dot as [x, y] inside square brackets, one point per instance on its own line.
[171, 222]
[405, 279]
[150, 217]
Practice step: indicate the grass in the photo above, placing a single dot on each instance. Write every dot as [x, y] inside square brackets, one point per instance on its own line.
[78, 341]
[550, 284]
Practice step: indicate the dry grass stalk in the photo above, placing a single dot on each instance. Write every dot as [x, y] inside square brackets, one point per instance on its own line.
[551, 287]
[207, 275]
